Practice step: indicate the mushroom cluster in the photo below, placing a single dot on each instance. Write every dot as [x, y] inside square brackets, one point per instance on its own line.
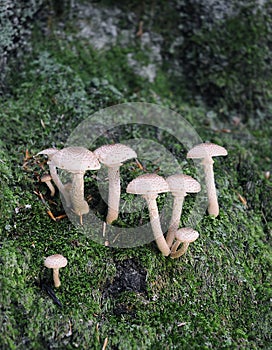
[77, 160]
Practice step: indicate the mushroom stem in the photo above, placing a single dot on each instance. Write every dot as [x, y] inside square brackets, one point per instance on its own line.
[56, 277]
[114, 193]
[155, 223]
[77, 189]
[175, 219]
[80, 206]
[59, 184]
[177, 253]
[47, 180]
[213, 207]
[51, 188]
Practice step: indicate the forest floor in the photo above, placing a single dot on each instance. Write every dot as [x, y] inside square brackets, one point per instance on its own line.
[216, 296]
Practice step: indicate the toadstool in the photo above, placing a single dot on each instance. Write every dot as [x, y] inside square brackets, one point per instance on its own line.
[55, 262]
[179, 186]
[113, 156]
[46, 178]
[78, 160]
[149, 186]
[50, 152]
[75, 160]
[185, 235]
[206, 151]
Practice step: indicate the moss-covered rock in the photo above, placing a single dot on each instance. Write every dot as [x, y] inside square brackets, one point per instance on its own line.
[216, 296]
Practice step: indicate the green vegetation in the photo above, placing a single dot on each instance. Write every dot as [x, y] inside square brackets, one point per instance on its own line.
[217, 296]
[227, 62]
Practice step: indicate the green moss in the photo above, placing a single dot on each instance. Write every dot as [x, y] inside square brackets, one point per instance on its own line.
[216, 296]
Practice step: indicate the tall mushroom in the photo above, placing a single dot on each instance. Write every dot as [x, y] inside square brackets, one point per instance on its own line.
[206, 151]
[179, 185]
[75, 160]
[149, 186]
[185, 235]
[113, 156]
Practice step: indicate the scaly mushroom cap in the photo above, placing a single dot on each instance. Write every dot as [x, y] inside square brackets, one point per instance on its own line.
[204, 150]
[75, 159]
[180, 183]
[56, 261]
[148, 184]
[115, 154]
[186, 235]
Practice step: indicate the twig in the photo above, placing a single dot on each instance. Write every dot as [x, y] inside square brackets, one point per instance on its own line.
[105, 343]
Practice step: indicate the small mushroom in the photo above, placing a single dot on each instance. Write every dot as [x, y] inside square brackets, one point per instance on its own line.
[179, 185]
[149, 186]
[55, 262]
[206, 151]
[186, 236]
[50, 152]
[46, 178]
[113, 156]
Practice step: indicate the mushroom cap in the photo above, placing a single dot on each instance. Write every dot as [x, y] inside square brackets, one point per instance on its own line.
[81, 208]
[180, 183]
[207, 150]
[55, 261]
[186, 234]
[148, 184]
[115, 154]
[49, 152]
[75, 159]
[46, 177]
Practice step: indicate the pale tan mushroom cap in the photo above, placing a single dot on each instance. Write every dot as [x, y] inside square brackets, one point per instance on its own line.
[148, 183]
[55, 261]
[46, 177]
[186, 234]
[115, 154]
[183, 183]
[49, 152]
[204, 150]
[75, 159]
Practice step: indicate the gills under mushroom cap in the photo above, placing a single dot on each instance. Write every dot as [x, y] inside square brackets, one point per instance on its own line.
[148, 184]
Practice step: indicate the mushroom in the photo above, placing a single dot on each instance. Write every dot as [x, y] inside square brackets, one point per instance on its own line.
[179, 185]
[55, 262]
[46, 178]
[75, 160]
[206, 151]
[149, 186]
[186, 236]
[113, 156]
[50, 152]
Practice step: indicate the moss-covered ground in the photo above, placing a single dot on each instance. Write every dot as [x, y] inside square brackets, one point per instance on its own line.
[217, 296]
